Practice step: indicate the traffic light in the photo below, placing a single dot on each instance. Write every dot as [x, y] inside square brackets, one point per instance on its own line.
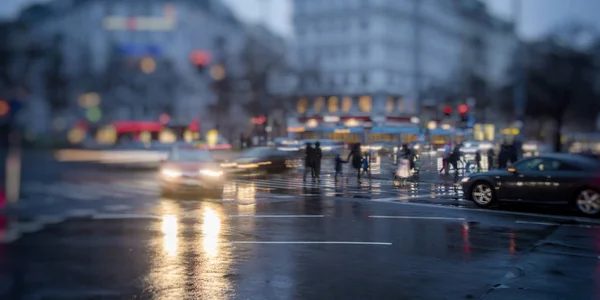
[463, 109]
[200, 59]
[447, 111]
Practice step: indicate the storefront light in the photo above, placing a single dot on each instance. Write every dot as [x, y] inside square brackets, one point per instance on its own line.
[352, 123]
[432, 125]
[296, 129]
[415, 120]
[446, 126]
[331, 119]
[312, 123]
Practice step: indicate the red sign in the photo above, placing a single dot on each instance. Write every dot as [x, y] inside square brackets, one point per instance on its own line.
[447, 110]
[463, 109]
[258, 121]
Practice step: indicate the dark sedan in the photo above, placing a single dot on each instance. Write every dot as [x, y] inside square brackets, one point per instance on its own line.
[547, 179]
[260, 161]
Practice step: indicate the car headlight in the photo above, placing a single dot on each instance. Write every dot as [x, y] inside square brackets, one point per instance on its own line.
[170, 173]
[228, 165]
[248, 166]
[211, 173]
[466, 179]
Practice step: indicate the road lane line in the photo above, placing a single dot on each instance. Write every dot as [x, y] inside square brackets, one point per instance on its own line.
[417, 218]
[404, 197]
[124, 216]
[276, 216]
[538, 223]
[79, 212]
[491, 211]
[313, 243]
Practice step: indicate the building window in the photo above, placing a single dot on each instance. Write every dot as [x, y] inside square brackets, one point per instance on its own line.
[319, 103]
[346, 104]
[365, 79]
[302, 105]
[333, 104]
[389, 106]
[400, 105]
[364, 104]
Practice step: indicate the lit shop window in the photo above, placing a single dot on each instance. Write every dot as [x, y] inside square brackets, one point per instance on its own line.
[401, 107]
[319, 103]
[302, 105]
[389, 106]
[364, 104]
[333, 104]
[346, 104]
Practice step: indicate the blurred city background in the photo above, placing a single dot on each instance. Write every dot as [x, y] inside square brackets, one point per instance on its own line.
[242, 73]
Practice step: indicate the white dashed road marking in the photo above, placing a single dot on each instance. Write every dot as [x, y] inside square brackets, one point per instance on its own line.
[417, 218]
[313, 243]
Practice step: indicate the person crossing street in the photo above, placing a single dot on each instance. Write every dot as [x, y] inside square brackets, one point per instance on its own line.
[309, 161]
[318, 155]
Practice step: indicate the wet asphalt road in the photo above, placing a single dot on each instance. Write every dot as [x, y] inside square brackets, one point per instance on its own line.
[97, 234]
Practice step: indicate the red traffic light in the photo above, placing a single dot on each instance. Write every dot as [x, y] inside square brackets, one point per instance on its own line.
[200, 57]
[4, 108]
[447, 110]
[259, 121]
[463, 109]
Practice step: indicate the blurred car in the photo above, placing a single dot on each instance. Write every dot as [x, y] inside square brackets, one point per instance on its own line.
[548, 179]
[260, 160]
[288, 145]
[189, 169]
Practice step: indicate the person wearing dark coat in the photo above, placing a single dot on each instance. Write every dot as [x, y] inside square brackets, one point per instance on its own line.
[339, 166]
[309, 160]
[503, 156]
[490, 158]
[478, 160]
[355, 157]
[318, 154]
[455, 158]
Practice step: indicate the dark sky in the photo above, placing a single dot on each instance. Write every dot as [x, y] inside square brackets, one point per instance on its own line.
[539, 16]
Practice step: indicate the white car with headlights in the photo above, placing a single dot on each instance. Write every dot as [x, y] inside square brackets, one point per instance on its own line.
[190, 170]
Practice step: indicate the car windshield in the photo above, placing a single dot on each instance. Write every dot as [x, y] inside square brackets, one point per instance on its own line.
[190, 155]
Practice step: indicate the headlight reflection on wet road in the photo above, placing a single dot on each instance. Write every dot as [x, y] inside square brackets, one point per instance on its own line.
[169, 229]
[211, 228]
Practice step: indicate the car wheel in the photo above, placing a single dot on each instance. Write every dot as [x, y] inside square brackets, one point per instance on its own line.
[588, 202]
[483, 194]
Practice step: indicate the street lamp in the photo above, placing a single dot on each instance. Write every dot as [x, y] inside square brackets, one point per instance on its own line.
[148, 65]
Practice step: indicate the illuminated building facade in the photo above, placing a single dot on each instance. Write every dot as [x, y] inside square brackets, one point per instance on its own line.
[144, 46]
[374, 64]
